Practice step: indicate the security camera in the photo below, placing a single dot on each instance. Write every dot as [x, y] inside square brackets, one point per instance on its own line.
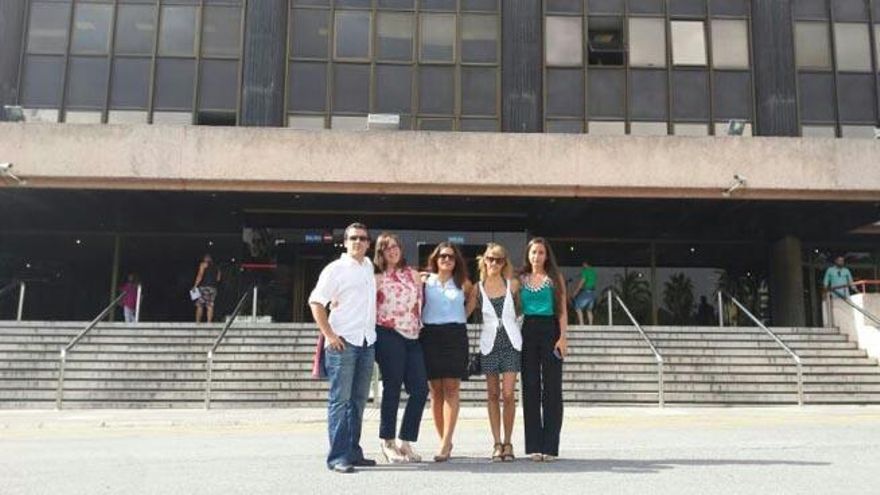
[6, 173]
[739, 181]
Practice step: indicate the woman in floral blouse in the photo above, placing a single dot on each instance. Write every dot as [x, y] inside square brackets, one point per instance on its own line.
[398, 351]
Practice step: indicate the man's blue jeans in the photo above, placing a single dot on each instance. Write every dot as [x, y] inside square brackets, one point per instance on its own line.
[349, 372]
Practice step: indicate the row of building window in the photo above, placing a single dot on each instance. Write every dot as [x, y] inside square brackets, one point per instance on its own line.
[643, 42]
[389, 36]
[88, 55]
[438, 71]
[852, 46]
[682, 8]
[216, 29]
[648, 94]
[839, 10]
[439, 5]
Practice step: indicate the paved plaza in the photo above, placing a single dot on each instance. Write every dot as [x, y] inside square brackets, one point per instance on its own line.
[818, 450]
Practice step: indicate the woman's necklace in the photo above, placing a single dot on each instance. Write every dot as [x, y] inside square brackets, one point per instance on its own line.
[535, 283]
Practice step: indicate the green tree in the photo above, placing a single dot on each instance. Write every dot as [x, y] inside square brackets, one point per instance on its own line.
[635, 291]
[678, 298]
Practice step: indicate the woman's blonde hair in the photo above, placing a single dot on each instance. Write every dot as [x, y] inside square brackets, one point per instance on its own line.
[498, 251]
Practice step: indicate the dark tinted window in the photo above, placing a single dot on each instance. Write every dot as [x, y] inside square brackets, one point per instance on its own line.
[816, 93]
[690, 95]
[351, 88]
[307, 86]
[87, 82]
[131, 83]
[174, 84]
[647, 97]
[565, 93]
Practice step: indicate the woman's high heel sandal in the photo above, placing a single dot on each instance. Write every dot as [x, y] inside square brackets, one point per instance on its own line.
[444, 456]
[497, 453]
[507, 453]
[408, 452]
[390, 452]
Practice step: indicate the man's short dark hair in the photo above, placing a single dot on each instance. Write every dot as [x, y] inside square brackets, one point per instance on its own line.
[356, 226]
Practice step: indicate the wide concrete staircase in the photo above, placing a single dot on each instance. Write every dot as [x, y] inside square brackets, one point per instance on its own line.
[261, 365]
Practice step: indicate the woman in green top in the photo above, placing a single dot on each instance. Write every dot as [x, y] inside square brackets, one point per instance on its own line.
[542, 295]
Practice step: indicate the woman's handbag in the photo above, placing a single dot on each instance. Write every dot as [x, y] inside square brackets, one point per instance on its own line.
[475, 362]
[475, 366]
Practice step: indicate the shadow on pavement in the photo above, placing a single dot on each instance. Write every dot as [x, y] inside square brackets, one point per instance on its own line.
[474, 465]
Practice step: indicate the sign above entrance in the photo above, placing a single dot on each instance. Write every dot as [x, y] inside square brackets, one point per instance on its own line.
[456, 239]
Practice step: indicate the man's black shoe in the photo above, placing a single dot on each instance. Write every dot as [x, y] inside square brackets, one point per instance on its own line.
[364, 463]
[342, 468]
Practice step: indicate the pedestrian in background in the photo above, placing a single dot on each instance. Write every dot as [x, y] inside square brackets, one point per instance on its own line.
[129, 300]
[207, 278]
[585, 294]
[838, 279]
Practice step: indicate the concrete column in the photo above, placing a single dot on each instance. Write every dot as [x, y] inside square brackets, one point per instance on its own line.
[521, 72]
[776, 109]
[12, 16]
[265, 49]
[787, 283]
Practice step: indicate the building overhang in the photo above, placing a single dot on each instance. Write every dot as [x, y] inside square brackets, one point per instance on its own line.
[249, 159]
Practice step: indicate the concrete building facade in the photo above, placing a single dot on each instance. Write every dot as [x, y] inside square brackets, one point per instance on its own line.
[680, 146]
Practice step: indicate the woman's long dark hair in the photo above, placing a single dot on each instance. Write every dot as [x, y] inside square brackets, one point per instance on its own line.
[382, 242]
[460, 273]
[550, 267]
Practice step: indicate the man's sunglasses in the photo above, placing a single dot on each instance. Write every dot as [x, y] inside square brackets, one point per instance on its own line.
[361, 238]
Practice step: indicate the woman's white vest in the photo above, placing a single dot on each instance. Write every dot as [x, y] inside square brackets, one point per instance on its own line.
[491, 324]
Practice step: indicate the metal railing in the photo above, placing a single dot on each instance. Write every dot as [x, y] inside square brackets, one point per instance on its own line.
[612, 295]
[209, 366]
[874, 319]
[794, 356]
[8, 288]
[59, 396]
[832, 295]
[137, 306]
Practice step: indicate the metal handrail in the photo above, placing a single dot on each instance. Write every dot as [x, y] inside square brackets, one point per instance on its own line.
[657, 356]
[209, 367]
[857, 283]
[21, 289]
[861, 310]
[794, 356]
[59, 396]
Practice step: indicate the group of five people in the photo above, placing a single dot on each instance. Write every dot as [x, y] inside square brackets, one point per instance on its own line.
[413, 324]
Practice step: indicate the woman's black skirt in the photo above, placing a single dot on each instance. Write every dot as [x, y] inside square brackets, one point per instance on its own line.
[446, 350]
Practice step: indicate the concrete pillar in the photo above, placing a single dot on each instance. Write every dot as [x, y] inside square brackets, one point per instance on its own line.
[265, 48]
[12, 16]
[787, 283]
[521, 72]
[776, 109]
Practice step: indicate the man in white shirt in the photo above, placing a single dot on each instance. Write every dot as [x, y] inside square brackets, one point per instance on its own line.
[349, 287]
